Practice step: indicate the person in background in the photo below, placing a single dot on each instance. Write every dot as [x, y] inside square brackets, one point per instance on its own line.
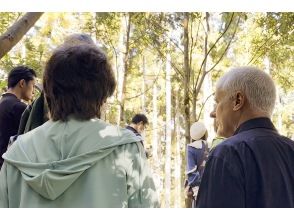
[21, 81]
[138, 125]
[75, 159]
[253, 167]
[196, 155]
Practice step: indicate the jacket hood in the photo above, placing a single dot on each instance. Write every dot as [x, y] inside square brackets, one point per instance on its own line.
[197, 144]
[54, 155]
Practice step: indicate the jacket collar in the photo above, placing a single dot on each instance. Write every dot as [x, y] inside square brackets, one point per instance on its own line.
[133, 130]
[256, 123]
[9, 94]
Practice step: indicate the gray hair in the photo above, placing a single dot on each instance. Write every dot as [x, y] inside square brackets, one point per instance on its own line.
[257, 85]
[78, 38]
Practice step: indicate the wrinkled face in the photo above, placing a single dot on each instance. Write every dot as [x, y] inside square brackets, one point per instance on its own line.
[226, 118]
[27, 89]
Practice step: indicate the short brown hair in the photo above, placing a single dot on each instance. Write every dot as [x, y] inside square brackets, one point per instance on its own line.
[77, 81]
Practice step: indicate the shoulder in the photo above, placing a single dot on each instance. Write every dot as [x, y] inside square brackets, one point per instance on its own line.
[228, 156]
[106, 129]
[12, 103]
[19, 106]
[230, 148]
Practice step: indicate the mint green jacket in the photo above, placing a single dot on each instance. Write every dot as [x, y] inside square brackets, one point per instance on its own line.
[77, 164]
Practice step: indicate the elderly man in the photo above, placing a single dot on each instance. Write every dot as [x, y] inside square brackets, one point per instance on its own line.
[254, 166]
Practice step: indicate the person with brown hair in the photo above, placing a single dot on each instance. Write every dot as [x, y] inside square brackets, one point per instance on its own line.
[36, 114]
[75, 159]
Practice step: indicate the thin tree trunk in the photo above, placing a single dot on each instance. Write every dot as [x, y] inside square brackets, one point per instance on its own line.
[207, 86]
[203, 74]
[155, 124]
[15, 33]
[123, 67]
[144, 85]
[156, 163]
[168, 131]
[178, 161]
[194, 104]
[208, 105]
[126, 67]
[186, 84]
[120, 67]
[104, 108]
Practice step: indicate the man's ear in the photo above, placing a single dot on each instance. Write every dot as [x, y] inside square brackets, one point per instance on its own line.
[22, 83]
[239, 101]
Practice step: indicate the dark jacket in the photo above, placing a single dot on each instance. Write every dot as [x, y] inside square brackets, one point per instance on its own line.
[138, 135]
[34, 115]
[11, 109]
[196, 157]
[253, 168]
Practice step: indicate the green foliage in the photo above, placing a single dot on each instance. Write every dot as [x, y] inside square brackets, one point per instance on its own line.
[3, 86]
[8, 18]
[276, 43]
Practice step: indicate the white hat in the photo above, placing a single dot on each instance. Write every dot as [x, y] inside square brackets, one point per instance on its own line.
[197, 130]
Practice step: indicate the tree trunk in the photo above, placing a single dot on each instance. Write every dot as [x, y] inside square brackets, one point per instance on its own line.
[178, 161]
[155, 130]
[15, 33]
[104, 109]
[198, 85]
[207, 86]
[144, 85]
[168, 132]
[208, 106]
[186, 84]
[123, 68]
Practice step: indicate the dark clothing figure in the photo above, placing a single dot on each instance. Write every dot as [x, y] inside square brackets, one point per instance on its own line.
[34, 115]
[11, 109]
[196, 153]
[253, 168]
[196, 157]
[138, 134]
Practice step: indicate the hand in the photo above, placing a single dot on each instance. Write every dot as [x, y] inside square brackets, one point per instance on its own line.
[188, 192]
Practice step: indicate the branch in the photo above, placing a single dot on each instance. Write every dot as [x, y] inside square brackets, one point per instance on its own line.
[258, 49]
[146, 90]
[111, 44]
[199, 73]
[204, 105]
[191, 47]
[162, 54]
[164, 34]
[226, 49]
[261, 54]
[16, 32]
